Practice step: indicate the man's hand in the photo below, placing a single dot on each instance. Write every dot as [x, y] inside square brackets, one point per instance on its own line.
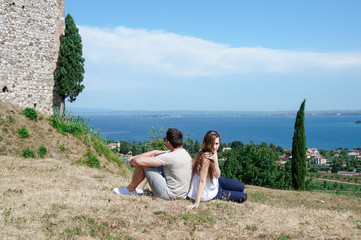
[131, 160]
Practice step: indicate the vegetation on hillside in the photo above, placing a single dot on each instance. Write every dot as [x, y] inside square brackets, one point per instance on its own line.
[27, 133]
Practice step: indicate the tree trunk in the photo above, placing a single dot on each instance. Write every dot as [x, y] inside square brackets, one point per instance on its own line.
[62, 106]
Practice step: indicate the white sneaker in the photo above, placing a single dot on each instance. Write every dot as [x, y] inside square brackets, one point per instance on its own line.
[123, 191]
[139, 191]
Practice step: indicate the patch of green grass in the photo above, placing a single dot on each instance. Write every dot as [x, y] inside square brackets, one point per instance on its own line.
[66, 123]
[358, 224]
[92, 160]
[30, 113]
[3, 151]
[87, 139]
[73, 231]
[251, 227]
[284, 237]
[63, 148]
[27, 153]
[23, 132]
[257, 197]
[42, 151]
[5, 130]
[7, 212]
[50, 215]
[10, 119]
[202, 217]
[90, 226]
[15, 191]
[102, 149]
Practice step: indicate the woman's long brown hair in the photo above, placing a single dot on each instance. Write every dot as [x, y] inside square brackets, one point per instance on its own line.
[208, 142]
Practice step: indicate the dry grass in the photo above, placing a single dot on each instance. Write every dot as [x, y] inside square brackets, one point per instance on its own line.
[53, 199]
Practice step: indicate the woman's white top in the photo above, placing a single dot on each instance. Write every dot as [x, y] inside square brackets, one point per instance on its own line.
[210, 190]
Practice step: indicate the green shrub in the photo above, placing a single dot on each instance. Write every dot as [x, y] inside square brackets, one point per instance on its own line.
[27, 153]
[30, 113]
[42, 151]
[63, 148]
[92, 160]
[66, 123]
[23, 132]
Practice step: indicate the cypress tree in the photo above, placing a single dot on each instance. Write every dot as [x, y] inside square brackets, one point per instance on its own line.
[70, 71]
[299, 150]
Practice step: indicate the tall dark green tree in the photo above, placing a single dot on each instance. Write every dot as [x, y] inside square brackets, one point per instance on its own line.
[299, 150]
[70, 72]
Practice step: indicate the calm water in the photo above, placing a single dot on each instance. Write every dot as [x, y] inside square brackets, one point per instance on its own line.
[325, 132]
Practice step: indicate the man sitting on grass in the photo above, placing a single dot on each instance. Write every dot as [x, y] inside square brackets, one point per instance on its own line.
[168, 173]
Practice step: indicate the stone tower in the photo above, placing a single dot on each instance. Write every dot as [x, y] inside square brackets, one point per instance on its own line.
[30, 32]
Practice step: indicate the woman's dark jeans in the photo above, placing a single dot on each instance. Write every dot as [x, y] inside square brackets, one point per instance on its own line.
[231, 190]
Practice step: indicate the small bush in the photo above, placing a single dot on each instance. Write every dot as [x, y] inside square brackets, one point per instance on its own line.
[23, 132]
[63, 148]
[30, 113]
[27, 153]
[92, 160]
[42, 151]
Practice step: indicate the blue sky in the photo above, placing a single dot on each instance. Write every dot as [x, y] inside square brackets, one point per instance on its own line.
[219, 55]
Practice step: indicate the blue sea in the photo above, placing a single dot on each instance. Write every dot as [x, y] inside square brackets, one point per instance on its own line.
[322, 131]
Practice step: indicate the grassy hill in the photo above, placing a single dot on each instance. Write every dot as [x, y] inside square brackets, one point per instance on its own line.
[55, 197]
[21, 136]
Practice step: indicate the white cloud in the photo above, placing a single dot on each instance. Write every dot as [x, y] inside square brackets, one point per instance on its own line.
[183, 56]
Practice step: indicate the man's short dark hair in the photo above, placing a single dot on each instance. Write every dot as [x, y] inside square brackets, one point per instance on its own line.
[175, 137]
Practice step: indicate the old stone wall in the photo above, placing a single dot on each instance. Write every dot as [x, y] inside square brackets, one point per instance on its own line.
[30, 33]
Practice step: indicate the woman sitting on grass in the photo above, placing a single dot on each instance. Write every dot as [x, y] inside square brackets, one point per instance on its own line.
[207, 182]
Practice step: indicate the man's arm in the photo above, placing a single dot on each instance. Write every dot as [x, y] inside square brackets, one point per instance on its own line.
[147, 159]
[152, 153]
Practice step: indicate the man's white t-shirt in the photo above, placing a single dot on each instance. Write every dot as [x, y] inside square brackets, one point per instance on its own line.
[177, 171]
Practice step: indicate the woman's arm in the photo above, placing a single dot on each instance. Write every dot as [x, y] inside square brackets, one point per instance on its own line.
[217, 173]
[203, 172]
[214, 158]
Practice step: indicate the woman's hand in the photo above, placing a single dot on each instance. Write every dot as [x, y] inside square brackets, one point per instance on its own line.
[193, 206]
[210, 156]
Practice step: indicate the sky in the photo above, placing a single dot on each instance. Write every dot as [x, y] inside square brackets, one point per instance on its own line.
[230, 55]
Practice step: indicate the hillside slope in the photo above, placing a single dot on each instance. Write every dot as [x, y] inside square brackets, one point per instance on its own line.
[53, 199]
[60, 146]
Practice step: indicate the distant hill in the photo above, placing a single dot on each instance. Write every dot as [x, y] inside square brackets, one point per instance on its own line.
[167, 113]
